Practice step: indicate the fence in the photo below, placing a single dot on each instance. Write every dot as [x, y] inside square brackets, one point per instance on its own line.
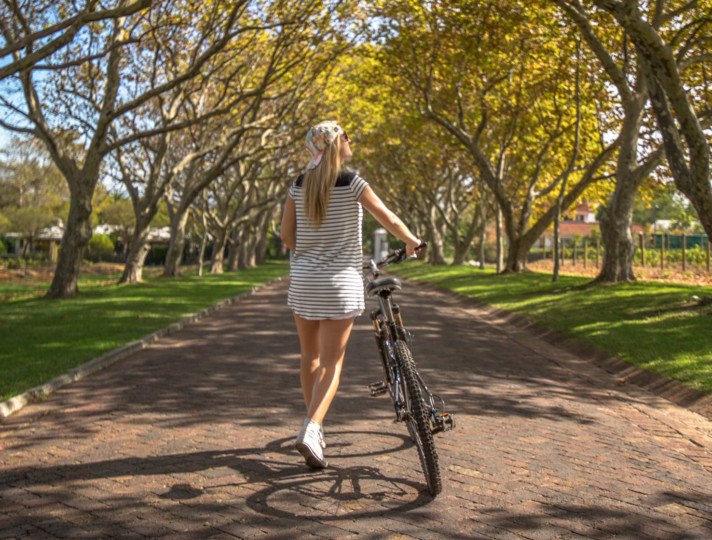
[652, 250]
[657, 249]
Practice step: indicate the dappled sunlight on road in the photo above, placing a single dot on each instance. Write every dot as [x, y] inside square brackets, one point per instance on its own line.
[195, 432]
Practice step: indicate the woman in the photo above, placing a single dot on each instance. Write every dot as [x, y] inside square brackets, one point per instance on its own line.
[321, 226]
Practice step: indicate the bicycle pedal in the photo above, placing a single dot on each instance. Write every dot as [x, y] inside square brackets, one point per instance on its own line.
[443, 422]
[448, 421]
[378, 388]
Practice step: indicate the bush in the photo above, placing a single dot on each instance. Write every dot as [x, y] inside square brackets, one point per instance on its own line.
[157, 255]
[697, 256]
[100, 248]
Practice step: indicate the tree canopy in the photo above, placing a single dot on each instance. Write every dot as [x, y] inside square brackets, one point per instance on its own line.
[464, 114]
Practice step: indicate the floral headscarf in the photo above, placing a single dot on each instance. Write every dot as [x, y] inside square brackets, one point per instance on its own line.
[318, 138]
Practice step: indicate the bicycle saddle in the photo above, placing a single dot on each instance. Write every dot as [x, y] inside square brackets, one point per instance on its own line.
[383, 284]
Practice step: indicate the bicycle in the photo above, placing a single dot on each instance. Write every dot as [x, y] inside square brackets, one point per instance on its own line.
[414, 403]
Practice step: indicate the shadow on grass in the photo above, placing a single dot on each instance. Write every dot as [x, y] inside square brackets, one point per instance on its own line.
[655, 326]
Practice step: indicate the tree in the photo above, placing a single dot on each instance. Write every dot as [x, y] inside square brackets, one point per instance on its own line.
[33, 195]
[626, 74]
[664, 61]
[148, 166]
[118, 212]
[36, 31]
[29, 178]
[90, 85]
[5, 226]
[295, 57]
[29, 221]
[416, 170]
[666, 203]
[497, 77]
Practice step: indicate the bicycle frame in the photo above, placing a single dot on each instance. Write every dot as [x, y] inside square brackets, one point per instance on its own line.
[388, 328]
[387, 332]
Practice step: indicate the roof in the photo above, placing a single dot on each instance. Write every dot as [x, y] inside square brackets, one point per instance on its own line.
[583, 207]
[568, 229]
[571, 228]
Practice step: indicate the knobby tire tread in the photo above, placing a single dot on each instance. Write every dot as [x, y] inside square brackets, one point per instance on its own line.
[429, 457]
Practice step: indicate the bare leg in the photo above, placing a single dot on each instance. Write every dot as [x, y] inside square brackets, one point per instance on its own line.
[309, 344]
[333, 337]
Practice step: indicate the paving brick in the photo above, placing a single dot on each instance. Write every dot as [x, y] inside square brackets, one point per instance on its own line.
[192, 437]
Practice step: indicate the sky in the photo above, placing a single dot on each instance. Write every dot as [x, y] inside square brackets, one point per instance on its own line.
[4, 137]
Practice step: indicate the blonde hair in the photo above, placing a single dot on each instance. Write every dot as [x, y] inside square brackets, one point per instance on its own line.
[320, 181]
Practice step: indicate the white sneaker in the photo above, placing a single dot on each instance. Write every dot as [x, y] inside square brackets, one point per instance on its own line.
[309, 446]
[302, 432]
[300, 436]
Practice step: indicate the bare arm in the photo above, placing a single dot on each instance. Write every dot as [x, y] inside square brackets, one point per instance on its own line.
[393, 224]
[288, 230]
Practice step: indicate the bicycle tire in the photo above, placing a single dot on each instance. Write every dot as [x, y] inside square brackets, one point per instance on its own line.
[419, 425]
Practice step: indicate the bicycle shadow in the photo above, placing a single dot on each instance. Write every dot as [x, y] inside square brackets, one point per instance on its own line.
[275, 488]
[342, 486]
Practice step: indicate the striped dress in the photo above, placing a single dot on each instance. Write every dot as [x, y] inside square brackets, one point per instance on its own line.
[326, 276]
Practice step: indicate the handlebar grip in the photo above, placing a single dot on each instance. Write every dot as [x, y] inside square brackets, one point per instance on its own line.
[399, 255]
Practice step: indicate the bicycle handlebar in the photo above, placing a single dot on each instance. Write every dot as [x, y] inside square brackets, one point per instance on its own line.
[395, 257]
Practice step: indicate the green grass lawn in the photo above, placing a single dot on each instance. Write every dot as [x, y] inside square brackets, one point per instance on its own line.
[92, 275]
[40, 339]
[652, 325]
[35, 287]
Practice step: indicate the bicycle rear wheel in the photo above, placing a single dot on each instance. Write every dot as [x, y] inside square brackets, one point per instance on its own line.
[418, 424]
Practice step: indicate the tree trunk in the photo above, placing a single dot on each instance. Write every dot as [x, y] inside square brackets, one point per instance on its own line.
[693, 179]
[463, 245]
[500, 241]
[177, 243]
[462, 250]
[436, 250]
[617, 238]
[233, 251]
[246, 248]
[618, 216]
[249, 243]
[460, 254]
[263, 228]
[77, 232]
[517, 251]
[133, 269]
[555, 247]
[483, 244]
[218, 256]
[201, 252]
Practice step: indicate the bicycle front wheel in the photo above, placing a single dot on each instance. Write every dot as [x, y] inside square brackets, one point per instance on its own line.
[417, 421]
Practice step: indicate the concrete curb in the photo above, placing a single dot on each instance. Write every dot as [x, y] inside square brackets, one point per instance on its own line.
[626, 373]
[38, 393]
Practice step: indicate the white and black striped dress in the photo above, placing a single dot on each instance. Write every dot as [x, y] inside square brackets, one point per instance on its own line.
[326, 276]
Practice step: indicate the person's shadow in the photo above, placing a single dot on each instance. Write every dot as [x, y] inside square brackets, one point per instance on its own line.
[346, 491]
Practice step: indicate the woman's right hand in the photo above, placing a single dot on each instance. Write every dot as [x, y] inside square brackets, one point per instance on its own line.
[411, 245]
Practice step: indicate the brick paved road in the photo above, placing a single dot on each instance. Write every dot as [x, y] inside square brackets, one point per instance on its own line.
[191, 438]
